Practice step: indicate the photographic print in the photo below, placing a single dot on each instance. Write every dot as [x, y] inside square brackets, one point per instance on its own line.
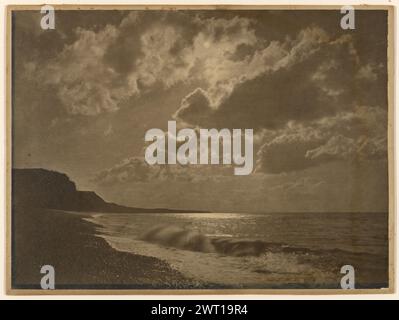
[238, 149]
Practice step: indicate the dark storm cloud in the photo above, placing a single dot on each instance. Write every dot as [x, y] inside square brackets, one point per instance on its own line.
[315, 76]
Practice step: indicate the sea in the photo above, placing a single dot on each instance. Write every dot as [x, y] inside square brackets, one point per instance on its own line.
[257, 250]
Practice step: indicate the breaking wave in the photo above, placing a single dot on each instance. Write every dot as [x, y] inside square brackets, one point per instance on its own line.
[181, 238]
[177, 237]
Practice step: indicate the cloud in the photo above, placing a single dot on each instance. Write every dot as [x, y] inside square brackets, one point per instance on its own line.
[300, 79]
[342, 148]
[137, 170]
[287, 151]
[303, 89]
[254, 94]
[102, 69]
[195, 107]
[348, 136]
[245, 81]
[82, 82]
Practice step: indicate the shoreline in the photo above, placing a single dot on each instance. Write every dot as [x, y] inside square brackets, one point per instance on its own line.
[80, 257]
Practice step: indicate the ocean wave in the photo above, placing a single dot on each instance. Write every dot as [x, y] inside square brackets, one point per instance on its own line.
[182, 238]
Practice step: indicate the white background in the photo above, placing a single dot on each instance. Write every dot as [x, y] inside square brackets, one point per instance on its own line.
[3, 5]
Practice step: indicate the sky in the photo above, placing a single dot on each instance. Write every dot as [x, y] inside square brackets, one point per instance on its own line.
[85, 93]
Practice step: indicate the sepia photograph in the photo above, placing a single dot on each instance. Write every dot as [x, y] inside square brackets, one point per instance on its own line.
[199, 149]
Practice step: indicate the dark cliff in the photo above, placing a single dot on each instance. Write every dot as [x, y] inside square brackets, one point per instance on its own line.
[40, 188]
